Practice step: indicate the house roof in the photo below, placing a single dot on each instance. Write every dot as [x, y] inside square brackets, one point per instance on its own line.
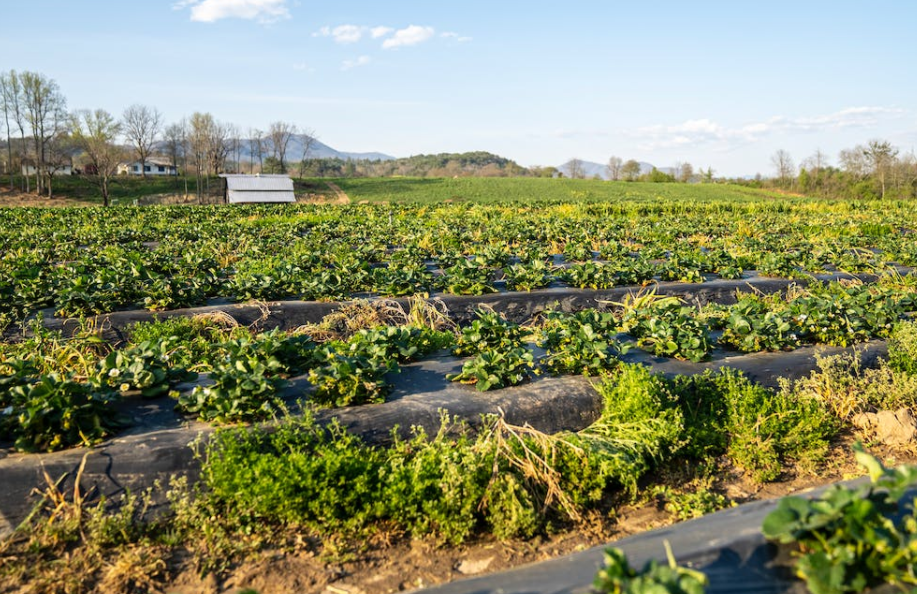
[258, 188]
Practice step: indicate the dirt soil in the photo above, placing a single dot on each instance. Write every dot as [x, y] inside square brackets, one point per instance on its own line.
[388, 563]
[10, 198]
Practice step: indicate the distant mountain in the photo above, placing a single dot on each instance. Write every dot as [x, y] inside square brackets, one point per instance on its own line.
[320, 150]
[592, 169]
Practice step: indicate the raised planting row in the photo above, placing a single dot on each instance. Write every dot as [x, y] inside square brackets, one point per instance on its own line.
[267, 489]
[57, 392]
[88, 261]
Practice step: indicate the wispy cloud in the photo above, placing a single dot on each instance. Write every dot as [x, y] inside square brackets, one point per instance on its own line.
[356, 63]
[342, 33]
[410, 35]
[391, 38]
[209, 11]
[708, 132]
[303, 67]
[455, 36]
[380, 31]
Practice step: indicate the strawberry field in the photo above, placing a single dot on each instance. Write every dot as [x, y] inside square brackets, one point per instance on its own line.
[387, 271]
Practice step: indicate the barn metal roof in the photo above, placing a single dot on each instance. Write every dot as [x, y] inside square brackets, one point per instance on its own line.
[258, 188]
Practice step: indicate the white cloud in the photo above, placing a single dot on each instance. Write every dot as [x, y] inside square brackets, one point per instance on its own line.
[347, 33]
[361, 61]
[208, 11]
[380, 31]
[342, 33]
[303, 67]
[707, 132]
[455, 36]
[411, 35]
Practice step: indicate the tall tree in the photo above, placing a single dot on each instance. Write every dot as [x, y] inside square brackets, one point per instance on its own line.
[142, 125]
[881, 156]
[685, 172]
[175, 139]
[783, 167]
[13, 106]
[45, 113]
[630, 171]
[574, 169]
[280, 134]
[96, 133]
[255, 149]
[199, 138]
[614, 167]
[9, 97]
[854, 162]
[307, 137]
[218, 147]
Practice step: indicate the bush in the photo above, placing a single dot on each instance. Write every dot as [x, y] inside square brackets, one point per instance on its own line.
[902, 348]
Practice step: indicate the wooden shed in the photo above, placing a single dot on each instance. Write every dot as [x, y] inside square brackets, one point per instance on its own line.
[245, 189]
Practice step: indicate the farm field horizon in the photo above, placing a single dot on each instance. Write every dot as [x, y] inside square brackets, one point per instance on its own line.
[803, 273]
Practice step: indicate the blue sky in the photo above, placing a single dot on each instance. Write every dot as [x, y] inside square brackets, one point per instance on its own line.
[717, 84]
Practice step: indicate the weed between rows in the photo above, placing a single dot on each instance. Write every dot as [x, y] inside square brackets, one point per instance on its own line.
[303, 485]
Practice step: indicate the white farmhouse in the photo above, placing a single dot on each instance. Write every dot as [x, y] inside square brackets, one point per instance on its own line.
[152, 167]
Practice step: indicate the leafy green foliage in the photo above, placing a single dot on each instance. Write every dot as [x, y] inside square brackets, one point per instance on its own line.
[55, 412]
[342, 379]
[143, 367]
[536, 274]
[618, 577]
[489, 331]
[849, 538]
[841, 316]
[496, 368]
[752, 326]
[902, 348]
[471, 276]
[666, 328]
[580, 343]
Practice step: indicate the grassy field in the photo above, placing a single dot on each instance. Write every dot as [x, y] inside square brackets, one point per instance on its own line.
[124, 189]
[525, 189]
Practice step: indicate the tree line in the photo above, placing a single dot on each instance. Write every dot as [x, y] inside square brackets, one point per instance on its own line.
[42, 138]
[877, 169]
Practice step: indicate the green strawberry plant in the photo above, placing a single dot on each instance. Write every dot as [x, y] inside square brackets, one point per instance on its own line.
[618, 577]
[580, 343]
[852, 538]
[55, 412]
[495, 369]
[145, 367]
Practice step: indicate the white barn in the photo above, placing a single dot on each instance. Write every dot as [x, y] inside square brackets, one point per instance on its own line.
[242, 189]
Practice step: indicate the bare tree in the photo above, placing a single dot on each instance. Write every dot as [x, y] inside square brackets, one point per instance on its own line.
[784, 168]
[199, 136]
[60, 151]
[307, 137]
[255, 149]
[854, 162]
[235, 146]
[575, 169]
[219, 145]
[881, 156]
[44, 111]
[280, 134]
[96, 132]
[685, 172]
[630, 171]
[12, 97]
[175, 138]
[141, 125]
[9, 99]
[614, 167]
